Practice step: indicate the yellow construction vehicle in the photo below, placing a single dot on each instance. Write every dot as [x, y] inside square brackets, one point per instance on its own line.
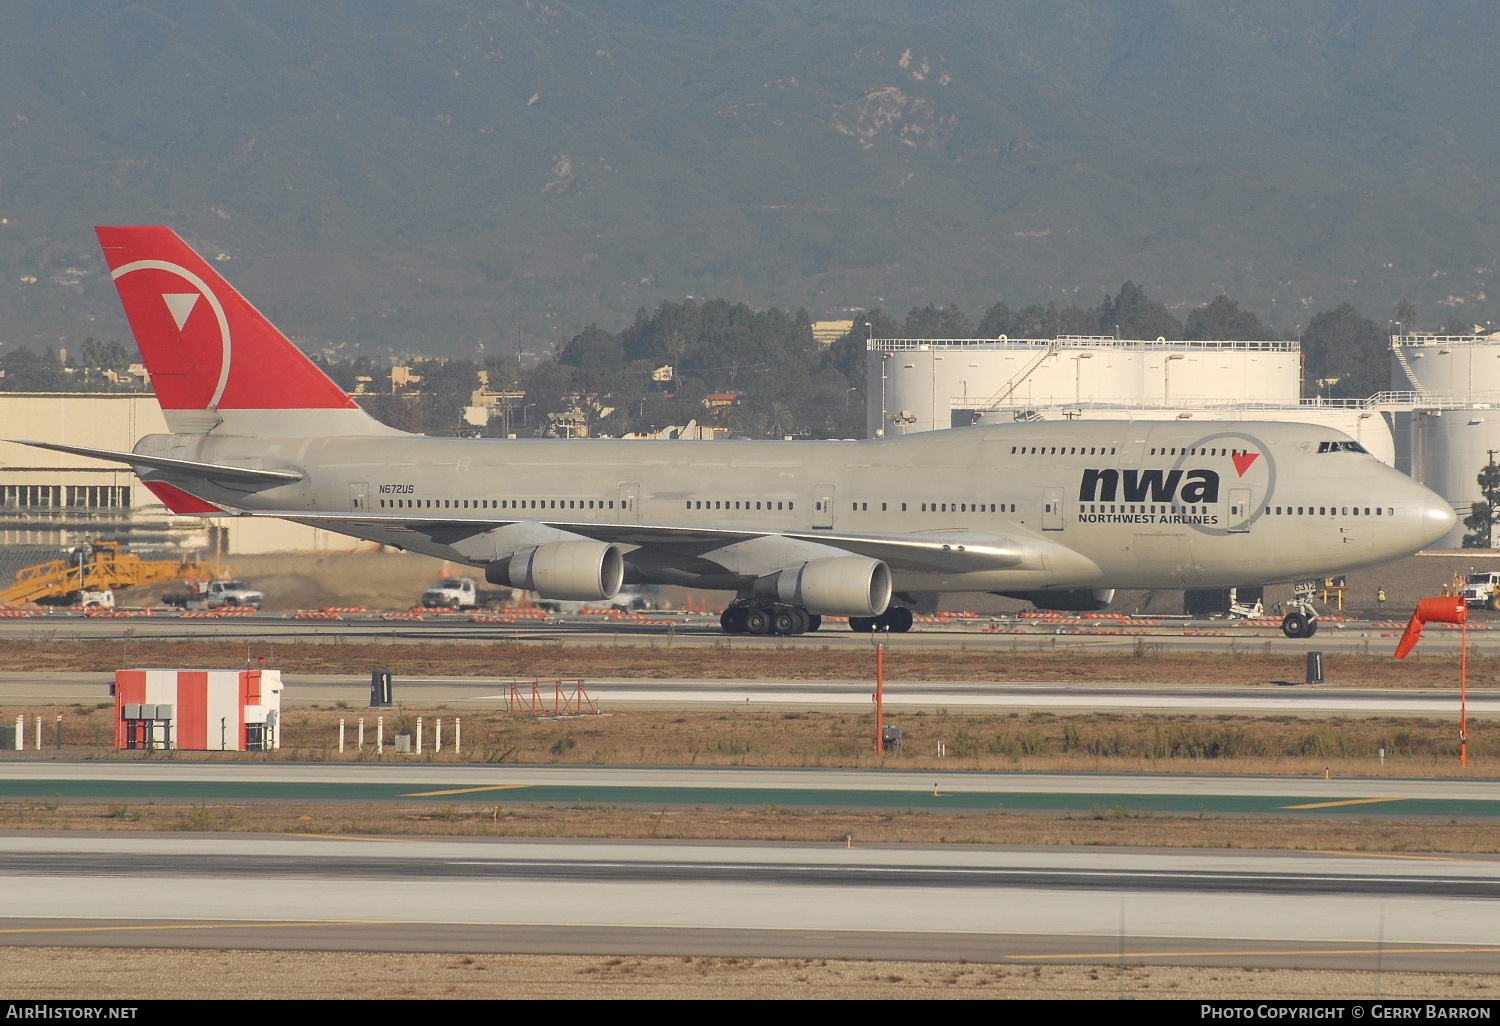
[96, 571]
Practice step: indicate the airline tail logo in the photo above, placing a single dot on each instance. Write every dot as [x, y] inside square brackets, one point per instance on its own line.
[206, 347]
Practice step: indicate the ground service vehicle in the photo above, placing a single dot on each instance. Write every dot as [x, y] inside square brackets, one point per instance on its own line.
[452, 593]
[217, 595]
[1057, 513]
[1481, 591]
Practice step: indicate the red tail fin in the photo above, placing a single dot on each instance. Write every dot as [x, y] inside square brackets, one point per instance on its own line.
[205, 346]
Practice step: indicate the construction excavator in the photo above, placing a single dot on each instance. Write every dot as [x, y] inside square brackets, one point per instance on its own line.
[95, 571]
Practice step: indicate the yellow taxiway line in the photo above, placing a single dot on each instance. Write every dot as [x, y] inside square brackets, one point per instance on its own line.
[1351, 801]
[464, 790]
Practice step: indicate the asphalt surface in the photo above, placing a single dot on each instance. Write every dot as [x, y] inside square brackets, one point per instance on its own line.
[1176, 634]
[751, 788]
[1239, 908]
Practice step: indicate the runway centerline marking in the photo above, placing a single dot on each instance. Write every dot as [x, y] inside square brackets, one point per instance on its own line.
[465, 790]
[1351, 801]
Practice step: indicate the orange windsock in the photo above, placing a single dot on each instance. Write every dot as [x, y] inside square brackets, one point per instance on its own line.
[1433, 610]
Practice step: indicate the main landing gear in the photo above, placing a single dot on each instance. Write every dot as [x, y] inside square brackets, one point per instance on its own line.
[1301, 622]
[743, 618]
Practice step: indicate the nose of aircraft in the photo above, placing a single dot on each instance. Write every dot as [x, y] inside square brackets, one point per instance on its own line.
[1438, 518]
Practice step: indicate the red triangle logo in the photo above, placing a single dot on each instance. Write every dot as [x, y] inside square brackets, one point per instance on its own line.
[1242, 461]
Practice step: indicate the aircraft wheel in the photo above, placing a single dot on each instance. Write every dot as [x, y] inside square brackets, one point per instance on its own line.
[785, 622]
[757, 621]
[1294, 624]
[861, 624]
[814, 621]
[898, 619]
[1311, 628]
[804, 620]
[732, 620]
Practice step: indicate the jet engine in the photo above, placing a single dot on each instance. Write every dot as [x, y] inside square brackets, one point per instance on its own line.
[1079, 600]
[836, 586]
[578, 571]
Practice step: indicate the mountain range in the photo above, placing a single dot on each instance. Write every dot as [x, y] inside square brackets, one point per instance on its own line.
[458, 177]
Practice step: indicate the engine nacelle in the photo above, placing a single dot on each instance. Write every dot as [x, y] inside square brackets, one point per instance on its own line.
[1079, 600]
[836, 586]
[577, 571]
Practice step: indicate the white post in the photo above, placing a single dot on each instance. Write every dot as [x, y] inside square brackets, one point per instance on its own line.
[20, 732]
[458, 733]
[361, 733]
[379, 735]
[38, 720]
[419, 735]
[341, 736]
[437, 737]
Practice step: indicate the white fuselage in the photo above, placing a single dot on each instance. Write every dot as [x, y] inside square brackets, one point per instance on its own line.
[1138, 504]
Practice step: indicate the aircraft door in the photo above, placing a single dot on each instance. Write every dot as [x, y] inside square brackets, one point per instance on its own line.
[823, 496]
[1052, 509]
[359, 496]
[630, 501]
[1239, 510]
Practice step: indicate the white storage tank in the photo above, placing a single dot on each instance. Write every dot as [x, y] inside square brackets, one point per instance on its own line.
[1454, 381]
[917, 384]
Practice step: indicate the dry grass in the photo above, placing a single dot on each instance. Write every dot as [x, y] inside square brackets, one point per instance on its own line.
[1111, 826]
[1085, 742]
[140, 974]
[658, 658]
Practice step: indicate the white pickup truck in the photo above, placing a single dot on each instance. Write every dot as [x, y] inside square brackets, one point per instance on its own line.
[217, 595]
[452, 593]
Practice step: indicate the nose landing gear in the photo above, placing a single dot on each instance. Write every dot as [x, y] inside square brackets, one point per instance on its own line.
[1301, 622]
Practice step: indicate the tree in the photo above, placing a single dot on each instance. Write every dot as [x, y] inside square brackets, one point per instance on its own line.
[1223, 319]
[1406, 317]
[937, 322]
[1481, 520]
[1133, 314]
[1345, 354]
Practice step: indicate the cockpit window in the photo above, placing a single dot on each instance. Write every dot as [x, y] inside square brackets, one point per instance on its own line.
[1340, 447]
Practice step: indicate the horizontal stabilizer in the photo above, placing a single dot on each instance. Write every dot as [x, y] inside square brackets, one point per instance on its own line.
[167, 463]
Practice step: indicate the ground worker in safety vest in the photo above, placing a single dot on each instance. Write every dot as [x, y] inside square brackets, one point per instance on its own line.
[1380, 598]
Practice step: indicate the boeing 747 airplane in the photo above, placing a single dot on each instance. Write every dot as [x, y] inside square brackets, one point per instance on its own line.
[1060, 514]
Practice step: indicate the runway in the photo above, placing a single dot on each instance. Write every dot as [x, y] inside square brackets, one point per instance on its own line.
[19, 688]
[984, 904]
[753, 788]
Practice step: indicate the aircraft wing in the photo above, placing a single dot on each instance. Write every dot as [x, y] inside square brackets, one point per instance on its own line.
[213, 471]
[952, 552]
